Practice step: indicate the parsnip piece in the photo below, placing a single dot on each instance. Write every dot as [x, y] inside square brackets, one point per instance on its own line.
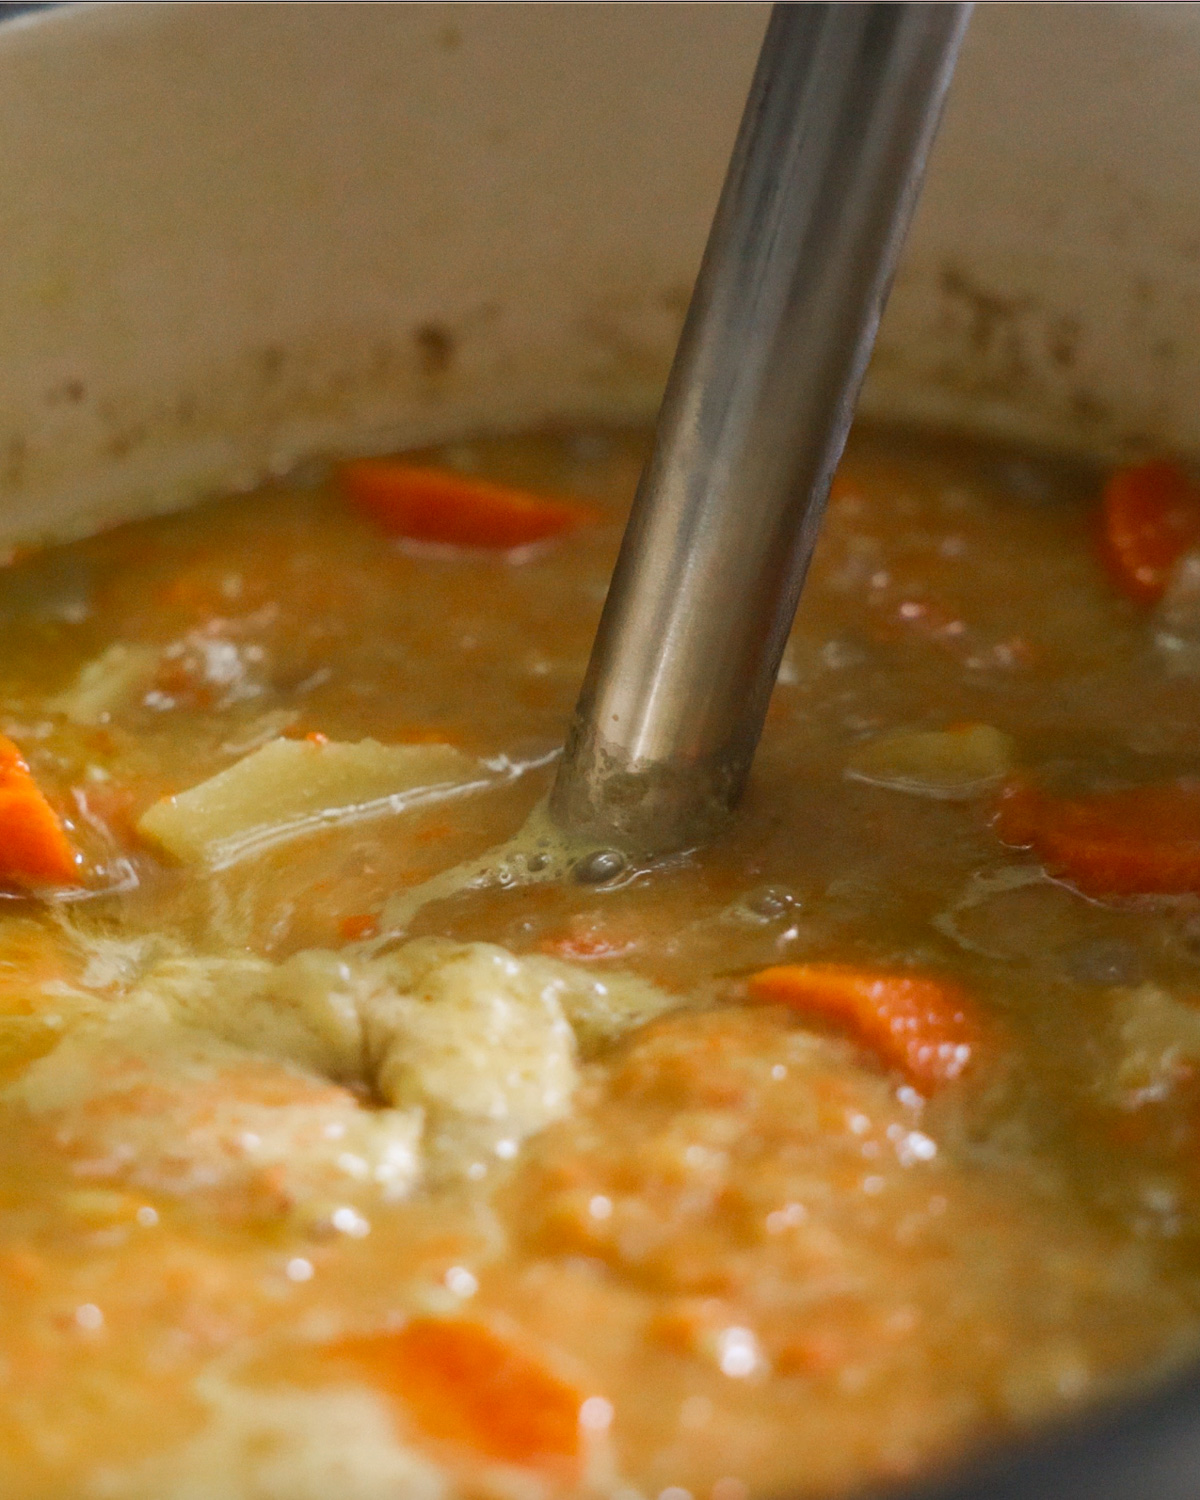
[292, 787]
[106, 683]
[950, 764]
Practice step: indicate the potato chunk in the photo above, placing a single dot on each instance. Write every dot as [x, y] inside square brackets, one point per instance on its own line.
[950, 764]
[292, 787]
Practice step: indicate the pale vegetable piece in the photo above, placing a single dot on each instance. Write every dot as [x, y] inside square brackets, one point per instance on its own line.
[476, 1038]
[1157, 1046]
[284, 1443]
[292, 787]
[952, 765]
[106, 684]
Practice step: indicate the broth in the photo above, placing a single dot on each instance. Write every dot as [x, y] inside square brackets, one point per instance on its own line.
[257, 1159]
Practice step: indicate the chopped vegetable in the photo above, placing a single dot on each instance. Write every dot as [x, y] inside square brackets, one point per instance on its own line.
[462, 1382]
[437, 505]
[34, 847]
[106, 683]
[1141, 841]
[1150, 518]
[291, 787]
[951, 764]
[922, 1025]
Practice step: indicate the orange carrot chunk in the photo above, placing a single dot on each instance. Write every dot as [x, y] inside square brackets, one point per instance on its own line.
[461, 1382]
[34, 847]
[1150, 516]
[437, 505]
[922, 1025]
[1139, 842]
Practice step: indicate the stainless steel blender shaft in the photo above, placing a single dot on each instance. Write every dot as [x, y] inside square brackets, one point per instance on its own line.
[820, 190]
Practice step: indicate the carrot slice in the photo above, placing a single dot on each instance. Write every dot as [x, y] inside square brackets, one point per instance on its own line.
[462, 1382]
[1142, 841]
[34, 847]
[1150, 517]
[922, 1025]
[436, 505]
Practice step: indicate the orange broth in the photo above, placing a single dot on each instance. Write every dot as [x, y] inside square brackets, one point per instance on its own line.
[748, 1247]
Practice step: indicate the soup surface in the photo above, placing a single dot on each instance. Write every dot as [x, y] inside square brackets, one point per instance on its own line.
[791, 1164]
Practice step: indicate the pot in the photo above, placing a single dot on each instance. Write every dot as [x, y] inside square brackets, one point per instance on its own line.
[239, 236]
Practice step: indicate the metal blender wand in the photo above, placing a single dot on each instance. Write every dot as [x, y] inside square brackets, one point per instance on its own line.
[820, 190]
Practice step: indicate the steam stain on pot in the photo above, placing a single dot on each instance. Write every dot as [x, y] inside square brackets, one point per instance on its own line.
[436, 347]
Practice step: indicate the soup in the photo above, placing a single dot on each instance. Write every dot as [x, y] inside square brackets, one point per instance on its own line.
[346, 1152]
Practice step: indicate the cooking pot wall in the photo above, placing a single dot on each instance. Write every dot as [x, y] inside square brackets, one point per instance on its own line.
[238, 234]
